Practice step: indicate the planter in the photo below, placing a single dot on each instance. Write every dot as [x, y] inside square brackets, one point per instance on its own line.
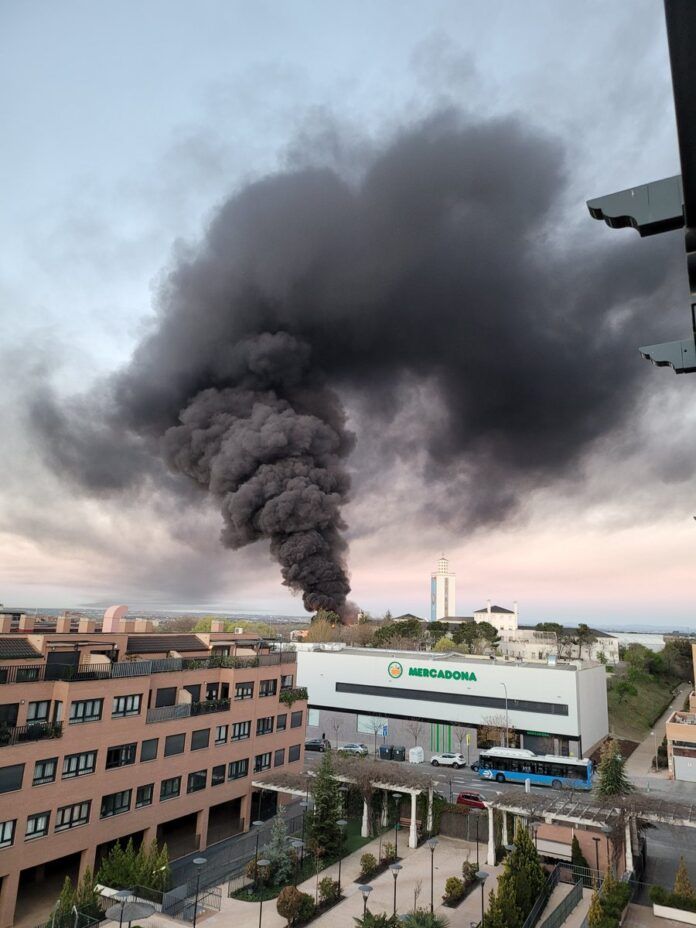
[378, 871]
[320, 909]
[467, 892]
[677, 915]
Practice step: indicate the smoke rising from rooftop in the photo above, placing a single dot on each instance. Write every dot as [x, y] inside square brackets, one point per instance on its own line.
[441, 264]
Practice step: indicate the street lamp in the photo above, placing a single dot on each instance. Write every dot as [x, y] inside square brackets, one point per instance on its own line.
[478, 819]
[596, 849]
[341, 824]
[655, 743]
[432, 844]
[123, 895]
[482, 876]
[365, 891]
[397, 824]
[535, 828]
[395, 873]
[304, 805]
[261, 863]
[257, 828]
[199, 863]
[507, 723]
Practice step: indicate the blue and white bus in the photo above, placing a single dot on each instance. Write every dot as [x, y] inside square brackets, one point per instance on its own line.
[515, 765]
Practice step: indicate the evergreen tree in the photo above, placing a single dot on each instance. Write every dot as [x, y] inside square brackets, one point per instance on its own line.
[502, 911]
[62, 914]
[595, 914]
[682, 883]
[524, 872]
[579, 862]
[324, 833]
[612, 775]
[282, 863]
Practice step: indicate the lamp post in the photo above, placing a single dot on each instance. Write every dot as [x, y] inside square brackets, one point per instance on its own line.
[261, 863]
[596, 849]
[304, 805]
[365, 891]
[395, 873]
[123, 896]
[432, 844]
[482, 876]
[535, 828]
[257, 828]
[397, 800]
[199, 863]
[341, 824]
[478, 819]
[655, 743]
[507, 722]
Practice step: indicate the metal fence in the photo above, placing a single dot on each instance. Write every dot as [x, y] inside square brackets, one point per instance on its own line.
[543, 898]
[564, 908]
[74, 919]
[36, 731]
[209, 899]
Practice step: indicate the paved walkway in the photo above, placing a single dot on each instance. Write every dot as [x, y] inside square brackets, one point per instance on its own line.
[639, 764]
[641, 916]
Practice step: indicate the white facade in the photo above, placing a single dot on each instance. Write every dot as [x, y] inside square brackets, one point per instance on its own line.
[443, 594]
[530, 644]
[566, 702]
[505, 620]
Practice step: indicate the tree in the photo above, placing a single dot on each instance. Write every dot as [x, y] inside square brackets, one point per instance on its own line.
[682, 883]
[390, 632]
[460, 732]
[555, 627]
[336, 726]
[292, 903]
[623, 689]
[414, 727]
[612, 775]
[677, 660]
[579, 862]
[445, 644]
[374, 726]
[387, 616]
[524, 871]
[437, 630]
[327, 615]
[324, 833]
[277, 852]
[595, 913]
[584, 637]
[321, 631]
[502, 909]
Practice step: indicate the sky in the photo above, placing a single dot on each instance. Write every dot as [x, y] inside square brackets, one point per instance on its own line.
[126, 126]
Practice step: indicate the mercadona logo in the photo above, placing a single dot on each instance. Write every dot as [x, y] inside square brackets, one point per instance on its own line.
[395, 670]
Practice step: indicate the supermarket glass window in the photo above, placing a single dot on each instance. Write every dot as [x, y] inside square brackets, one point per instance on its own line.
[45, 771]
[37, 825]
[79, 765]
[116, 803]
[143, 795]
[126, 705]
[72, 816]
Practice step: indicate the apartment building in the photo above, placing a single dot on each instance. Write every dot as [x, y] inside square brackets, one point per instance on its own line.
[110, 734]
[680, 731]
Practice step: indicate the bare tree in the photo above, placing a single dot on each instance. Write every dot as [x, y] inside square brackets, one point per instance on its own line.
[374, 726]
[495, 730]
[460, 732]
[336, 726]
[414, 727]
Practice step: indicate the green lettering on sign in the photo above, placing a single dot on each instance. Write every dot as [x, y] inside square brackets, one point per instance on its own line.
[468, 676]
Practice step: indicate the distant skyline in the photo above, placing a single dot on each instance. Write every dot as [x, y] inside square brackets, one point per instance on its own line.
[126, 127]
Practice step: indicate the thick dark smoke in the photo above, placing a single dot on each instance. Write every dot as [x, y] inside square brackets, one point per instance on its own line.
[444, 264]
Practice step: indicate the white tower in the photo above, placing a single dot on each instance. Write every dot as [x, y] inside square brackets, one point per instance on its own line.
[442, 591]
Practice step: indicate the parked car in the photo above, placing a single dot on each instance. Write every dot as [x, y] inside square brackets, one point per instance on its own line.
[473, 800]
[359, 750]
[316, 744]
[448, 760]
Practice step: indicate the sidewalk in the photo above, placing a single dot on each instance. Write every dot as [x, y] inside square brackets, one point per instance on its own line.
[639, 764]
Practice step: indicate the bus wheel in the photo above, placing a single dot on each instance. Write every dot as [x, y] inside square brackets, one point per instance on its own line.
[556, 784]
[499, 778]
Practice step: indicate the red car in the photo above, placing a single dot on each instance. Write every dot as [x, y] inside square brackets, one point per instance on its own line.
[473, 800]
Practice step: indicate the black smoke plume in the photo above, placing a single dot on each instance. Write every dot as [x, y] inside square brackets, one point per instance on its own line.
[444, 263]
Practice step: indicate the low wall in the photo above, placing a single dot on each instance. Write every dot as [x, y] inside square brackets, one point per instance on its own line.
[677, 915]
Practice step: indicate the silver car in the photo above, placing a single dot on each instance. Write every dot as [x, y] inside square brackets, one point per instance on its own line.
[360, 750]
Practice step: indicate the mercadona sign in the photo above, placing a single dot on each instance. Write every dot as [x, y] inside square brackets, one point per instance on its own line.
[395, 670]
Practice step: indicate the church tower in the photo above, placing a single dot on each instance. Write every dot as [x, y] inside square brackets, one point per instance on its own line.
[442, 591]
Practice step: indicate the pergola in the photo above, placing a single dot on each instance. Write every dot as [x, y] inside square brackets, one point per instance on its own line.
[604, 813]
[367, 775]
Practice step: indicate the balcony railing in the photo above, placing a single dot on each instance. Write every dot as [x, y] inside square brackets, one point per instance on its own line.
[184, 710]
[37, 731]
[40, 673]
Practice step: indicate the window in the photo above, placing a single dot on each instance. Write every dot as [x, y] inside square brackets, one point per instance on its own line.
[116, 803]
[86, 710]
[125, 705]
[286, 681]
[197, 780]
[262, 762]
[174, 744]
[148, 749]
[7, 833]
[211, 691]
[268, 687]
[121, 755]
[238, 769]
[38, 711]
[72, 816]
[218, 775]
[170, 788]
[143, 795]
[293, 753]
[240, 731]
[282, 722]
[244, 691]
[165, 696]
[264, 726]
[221, 734]
[37, 825]
[45, 771]
[200, 739]
[279, 757]
[11, 778]
[296, 720]
[79, 765]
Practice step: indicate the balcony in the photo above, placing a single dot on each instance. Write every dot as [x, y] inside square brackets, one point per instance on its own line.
[37, 731]
[185, 710]
[40, 673]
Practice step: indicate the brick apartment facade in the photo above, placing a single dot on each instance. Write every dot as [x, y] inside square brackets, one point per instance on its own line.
[111, 734]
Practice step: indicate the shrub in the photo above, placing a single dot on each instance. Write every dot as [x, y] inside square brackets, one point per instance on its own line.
[307, 908]
[328, 890]
[454, 890]
[661, 896]
[422, 918]
[388, 851]
[294, 906]
[368, 865]
[469, 872]
[378, 921]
